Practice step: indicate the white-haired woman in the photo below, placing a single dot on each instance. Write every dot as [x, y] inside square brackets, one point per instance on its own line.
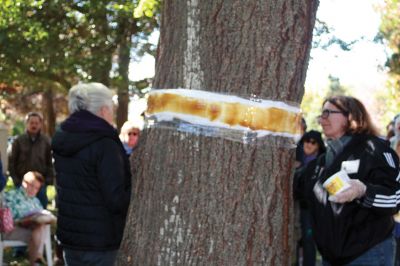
[93, 178]
[130, 133]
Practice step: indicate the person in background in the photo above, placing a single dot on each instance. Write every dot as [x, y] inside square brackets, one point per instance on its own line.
[31, 151]
[93, 178]
[129, 136]
[22, 202]
[3, 178]
[395, 139]
[299, 158]
[389, 130]
[313, 146]
[395, 145]
[354, 226]
[299, 147]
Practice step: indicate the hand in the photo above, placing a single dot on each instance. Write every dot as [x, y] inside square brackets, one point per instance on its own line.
[355, 191]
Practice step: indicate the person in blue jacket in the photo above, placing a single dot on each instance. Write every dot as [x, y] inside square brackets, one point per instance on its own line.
[3, 178]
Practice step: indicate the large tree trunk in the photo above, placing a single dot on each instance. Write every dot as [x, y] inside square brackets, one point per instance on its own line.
[210, 201]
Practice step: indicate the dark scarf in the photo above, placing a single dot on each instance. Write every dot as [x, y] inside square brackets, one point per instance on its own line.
[335, 147]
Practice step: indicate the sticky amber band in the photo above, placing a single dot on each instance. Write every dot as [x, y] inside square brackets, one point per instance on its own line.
[253, 117]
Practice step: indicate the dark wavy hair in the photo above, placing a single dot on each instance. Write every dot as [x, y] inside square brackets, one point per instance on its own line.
[359, 120]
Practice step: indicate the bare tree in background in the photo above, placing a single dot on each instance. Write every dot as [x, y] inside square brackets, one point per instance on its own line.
[210, 201]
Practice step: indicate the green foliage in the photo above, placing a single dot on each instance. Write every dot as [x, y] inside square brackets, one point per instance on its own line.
[51, 193]
[146, 8]
[18, 128]
[390, 24]
[390, 32]
[311, 108]
[312, 101]
[51, 45]
[388, 102]
[9, 185]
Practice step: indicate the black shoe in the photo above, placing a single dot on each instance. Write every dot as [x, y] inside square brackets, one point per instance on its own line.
[19, 252]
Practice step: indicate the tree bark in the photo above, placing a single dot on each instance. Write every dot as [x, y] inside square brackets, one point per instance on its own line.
[49, 113]
[101, 51]
[123, 88]
[127, 28]
[210, 201]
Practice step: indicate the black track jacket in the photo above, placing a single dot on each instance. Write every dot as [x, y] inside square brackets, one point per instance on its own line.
[343, 232]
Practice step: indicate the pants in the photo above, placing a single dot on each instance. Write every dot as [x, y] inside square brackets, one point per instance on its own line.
[33, 237]
[309, 249]
[397, 257]
[85, 258]
[380, 255]
[42, 196]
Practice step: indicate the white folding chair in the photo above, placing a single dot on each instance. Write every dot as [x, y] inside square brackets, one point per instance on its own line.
[17, 243]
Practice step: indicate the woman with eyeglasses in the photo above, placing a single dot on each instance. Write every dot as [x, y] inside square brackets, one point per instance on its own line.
[22, 202]
[129, 136]
[354, 226]
[311, 146]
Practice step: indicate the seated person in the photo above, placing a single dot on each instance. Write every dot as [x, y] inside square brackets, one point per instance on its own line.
[22, 202]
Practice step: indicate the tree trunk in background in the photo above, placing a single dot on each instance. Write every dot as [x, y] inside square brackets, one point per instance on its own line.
[101, 53]
[209, 201]
[49, 113]
[127, 28]
[123, 88]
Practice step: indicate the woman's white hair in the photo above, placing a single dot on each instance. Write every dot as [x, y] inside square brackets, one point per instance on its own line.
[89, 96]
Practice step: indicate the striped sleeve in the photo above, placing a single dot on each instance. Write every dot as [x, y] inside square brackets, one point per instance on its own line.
[383, 182]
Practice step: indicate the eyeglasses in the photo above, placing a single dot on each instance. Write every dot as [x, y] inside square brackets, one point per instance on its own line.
[327, 112]
[313, 142]
[32, 185]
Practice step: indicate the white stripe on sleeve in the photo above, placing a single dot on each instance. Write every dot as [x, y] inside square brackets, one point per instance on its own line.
[389, 159]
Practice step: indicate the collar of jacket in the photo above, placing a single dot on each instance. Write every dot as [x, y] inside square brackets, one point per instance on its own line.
[357, 142]
[85, 121]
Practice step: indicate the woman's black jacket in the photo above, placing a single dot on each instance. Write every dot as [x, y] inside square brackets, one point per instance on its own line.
[93, 183]
[344, 231]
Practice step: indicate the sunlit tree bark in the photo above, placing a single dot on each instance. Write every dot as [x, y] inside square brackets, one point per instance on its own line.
[210, 201]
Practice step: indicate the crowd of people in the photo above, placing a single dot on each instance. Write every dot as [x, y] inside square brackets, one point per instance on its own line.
[88, 160]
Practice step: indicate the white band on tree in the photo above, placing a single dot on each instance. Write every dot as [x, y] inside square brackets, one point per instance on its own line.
[209, 109]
